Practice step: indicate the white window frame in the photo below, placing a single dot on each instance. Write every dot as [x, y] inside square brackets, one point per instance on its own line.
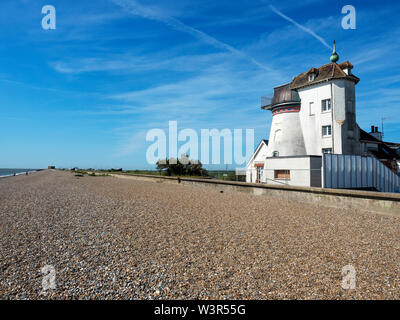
[328, 128]
[326, 103]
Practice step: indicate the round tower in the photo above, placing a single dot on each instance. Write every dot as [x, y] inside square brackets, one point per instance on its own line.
[286, 136]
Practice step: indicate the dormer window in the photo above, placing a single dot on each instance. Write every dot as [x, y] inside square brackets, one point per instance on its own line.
[346, 67]
[312, 74]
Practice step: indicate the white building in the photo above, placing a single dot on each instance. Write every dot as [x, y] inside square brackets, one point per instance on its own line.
[255, 166]
[312, 115]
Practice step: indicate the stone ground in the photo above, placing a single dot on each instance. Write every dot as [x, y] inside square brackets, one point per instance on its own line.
[111, 238]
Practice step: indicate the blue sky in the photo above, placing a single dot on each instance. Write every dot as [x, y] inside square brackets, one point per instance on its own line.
[86, 93]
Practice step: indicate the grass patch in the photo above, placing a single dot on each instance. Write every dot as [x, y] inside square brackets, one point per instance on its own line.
[93, 174]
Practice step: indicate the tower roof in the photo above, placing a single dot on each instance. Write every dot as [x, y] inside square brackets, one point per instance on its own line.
[284, 95]
[326, 72]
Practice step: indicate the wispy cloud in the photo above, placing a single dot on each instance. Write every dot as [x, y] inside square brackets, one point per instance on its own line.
[138, 63]
[311, 32]
[98, 64]
[135, 8]
[39, 88]
[131, 143]
[211, 98]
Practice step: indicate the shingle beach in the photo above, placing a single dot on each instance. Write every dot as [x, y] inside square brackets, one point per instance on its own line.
[111, 238]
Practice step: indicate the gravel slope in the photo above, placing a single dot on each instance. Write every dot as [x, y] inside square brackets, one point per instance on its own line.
[111, 238]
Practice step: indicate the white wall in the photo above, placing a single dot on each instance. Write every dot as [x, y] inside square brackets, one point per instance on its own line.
[312, 124]
[259, 157]
[304, 171]
[348, 134]
[286, 136]
[342, 140]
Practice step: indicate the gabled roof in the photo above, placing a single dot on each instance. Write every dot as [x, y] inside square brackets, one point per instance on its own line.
[393, 144]
[327, 72]
[262, 142]
[365, 136]
[384, 150]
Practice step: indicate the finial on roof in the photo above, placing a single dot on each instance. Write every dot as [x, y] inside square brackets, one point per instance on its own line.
[334, 56]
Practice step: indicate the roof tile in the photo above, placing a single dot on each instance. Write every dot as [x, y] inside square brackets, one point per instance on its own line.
[325, 73]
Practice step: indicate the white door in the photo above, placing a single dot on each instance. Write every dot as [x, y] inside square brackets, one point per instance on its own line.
[259, 173]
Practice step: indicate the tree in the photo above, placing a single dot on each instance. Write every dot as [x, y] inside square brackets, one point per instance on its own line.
[163, 165]
[181, 167]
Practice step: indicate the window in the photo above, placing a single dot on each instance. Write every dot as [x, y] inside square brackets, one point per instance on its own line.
[327, 150]
[311, 77]
[312, 110]
[275, 154]
[282, 174]
[277, 135]
[326, 131]
[326, 105]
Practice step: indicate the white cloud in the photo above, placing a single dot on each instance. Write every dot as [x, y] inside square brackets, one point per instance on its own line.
[131, 143]
[129, 63]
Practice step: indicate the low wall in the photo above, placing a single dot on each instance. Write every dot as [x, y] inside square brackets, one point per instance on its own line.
[388, 203]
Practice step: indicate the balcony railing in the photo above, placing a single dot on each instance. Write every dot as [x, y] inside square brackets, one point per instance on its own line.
[266, 100]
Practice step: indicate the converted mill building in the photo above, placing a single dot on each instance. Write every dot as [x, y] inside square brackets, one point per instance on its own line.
[312, 116]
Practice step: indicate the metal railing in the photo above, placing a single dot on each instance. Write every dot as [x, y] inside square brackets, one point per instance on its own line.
[266, 100]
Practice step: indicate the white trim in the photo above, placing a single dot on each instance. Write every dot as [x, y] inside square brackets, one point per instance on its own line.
[256, 152]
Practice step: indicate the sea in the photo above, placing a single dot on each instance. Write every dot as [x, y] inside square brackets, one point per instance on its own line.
[10, 172]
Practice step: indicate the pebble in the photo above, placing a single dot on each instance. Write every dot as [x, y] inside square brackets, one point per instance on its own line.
[111, 238]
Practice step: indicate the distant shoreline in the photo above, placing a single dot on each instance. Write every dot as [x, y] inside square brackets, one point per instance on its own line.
[21, 172]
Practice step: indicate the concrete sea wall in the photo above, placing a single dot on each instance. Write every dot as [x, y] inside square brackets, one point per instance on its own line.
[379, 202]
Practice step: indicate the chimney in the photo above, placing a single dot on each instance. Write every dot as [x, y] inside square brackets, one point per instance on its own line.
[375, 133]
